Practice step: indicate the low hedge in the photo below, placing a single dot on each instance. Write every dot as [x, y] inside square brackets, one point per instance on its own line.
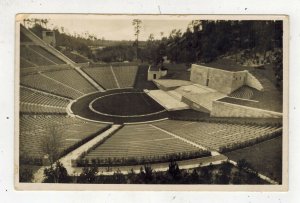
[83, 162]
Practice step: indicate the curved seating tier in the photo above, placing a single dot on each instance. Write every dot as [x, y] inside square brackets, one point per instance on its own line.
[24, 38]
[40, 82]
[41, 69]
[125, 75]
[31, 108]
[71, 78]
[36, 102]
[35, 55]
[103, 76]
[139, 141]
[24, 63]
[35, 129]
[243, 92]
[34, 58]
[215, 135]
[40, 50]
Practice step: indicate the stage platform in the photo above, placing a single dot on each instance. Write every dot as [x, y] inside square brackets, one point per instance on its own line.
[170, 84]
[169, 102]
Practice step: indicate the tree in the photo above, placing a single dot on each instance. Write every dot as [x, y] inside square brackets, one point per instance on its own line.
[118, 177]
[146, 174]
[243, 164]
[206, 174]
[88, 174]
[131, 176]
[224, 174]
[51, 144]
[137, 25]
[44, 22]
[174, 171]
[162, 34]
[194, 177]
[25, 174]
[56, 174]
[150, 50]
[27, 21]
[237, 177]
[278, 68]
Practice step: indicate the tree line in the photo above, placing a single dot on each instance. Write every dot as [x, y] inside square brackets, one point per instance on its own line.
[224, 173]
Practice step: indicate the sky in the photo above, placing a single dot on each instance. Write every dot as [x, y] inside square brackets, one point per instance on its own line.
[113, 27]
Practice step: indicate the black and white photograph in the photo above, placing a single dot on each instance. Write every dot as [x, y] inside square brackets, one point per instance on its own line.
[151, 100]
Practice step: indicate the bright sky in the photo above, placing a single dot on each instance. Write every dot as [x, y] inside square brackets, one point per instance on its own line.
[113, 27]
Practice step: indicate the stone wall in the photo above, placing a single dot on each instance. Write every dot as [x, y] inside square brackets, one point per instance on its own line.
[239, 79]
[220, 80]
[251, 81]
[193, 105]
[199, 74]
[222, 109]
[158, 74]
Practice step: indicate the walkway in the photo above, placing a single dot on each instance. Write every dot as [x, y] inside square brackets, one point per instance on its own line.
[66, 160]
[115, 77]
[184, 164]
[88, 78]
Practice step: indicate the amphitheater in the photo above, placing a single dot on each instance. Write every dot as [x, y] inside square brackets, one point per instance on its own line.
[109, 114]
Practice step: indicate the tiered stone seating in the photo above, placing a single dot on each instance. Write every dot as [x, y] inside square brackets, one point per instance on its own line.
[244, 92]
[125, 75]
[72, 79]
[36, 102]
[103, 76]
[25, 63]
[31, 96]
[24, 38]
[75, 57]
[46, 54]
[34, 129]
[34, 58]
[41, 82]
[215, 135]
[139, 141]
[32, 108]
[41, 69]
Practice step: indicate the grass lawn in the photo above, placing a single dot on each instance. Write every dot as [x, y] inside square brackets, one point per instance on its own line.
[265, 157]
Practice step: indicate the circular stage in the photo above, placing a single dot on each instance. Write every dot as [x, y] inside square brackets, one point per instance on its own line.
[118, 106]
